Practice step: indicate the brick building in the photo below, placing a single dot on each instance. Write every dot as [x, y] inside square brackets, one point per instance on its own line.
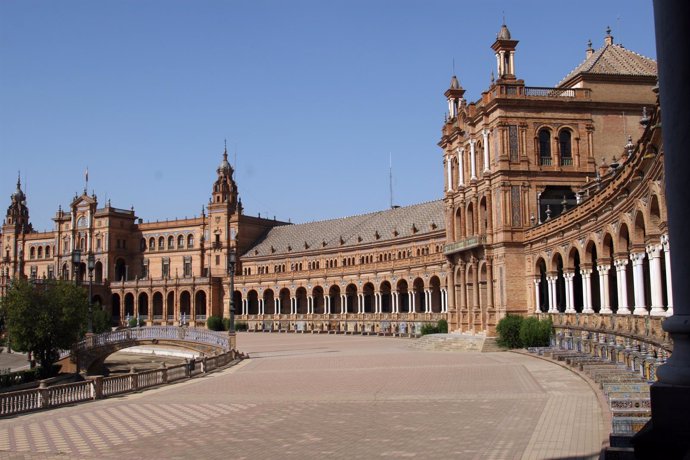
[513, 161]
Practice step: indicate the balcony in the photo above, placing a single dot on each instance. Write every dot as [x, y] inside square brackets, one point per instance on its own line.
[464, 244]
[545, 161]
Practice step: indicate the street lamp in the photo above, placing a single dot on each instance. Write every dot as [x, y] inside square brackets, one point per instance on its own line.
[91, 264]
[232, 260]
[76, 261]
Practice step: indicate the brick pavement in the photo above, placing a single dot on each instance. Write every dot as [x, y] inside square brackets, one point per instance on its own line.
[333, 396]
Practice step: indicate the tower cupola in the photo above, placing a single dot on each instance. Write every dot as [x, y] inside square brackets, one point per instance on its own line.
[224, 188]
[18, 212]
[504, 47]
[454, 94]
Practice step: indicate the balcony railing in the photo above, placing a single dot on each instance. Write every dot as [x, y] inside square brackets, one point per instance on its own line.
[464, 244]
[545, 161]
[566, 161]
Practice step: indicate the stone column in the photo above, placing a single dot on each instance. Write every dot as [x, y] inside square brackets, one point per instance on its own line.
[343, 304]
[411, 307]
[537, 305]
[261, 306]
[473, 161]
[623, 307]
[604, 289]
[394, 302]
[310, 305]
[327, 304]
[551, 283]
[586, 290]
[654, 254]
[449, 173]
[669, 429]
[485, 134]
[461, 167]
[638, 283]
[569, 292]
[667, 259]
[276, 305]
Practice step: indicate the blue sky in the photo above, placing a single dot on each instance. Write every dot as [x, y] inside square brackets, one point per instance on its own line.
[312, 96]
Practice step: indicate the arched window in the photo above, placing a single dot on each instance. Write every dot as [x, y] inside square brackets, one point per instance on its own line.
[544, 147]
[171, 242]
[39, 253]
[190, 241]
[565, 146]
[161, 243]
[152, 244]
[47, 251]
[180, 242]
[32, 253]
[142, 245]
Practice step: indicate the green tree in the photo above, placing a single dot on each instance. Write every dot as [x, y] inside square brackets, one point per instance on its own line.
[45, 317]
[101, 320]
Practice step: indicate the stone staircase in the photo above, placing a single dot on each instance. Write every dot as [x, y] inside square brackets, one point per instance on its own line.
[455, 342]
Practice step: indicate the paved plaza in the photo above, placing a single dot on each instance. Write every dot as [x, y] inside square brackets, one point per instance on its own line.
[326, 396]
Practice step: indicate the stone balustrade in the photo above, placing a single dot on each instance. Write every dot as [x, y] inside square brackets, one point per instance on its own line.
[98, 387]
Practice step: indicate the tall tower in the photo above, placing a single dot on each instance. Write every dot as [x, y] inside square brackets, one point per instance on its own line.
[224, 209]
[15, 226]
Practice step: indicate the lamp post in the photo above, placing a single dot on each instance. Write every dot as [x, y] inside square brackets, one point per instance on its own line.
[232, 260]
[91, 264]
[76, 261]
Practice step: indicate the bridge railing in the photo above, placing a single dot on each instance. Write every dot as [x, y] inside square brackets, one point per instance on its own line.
[44, 397]
[184, 334]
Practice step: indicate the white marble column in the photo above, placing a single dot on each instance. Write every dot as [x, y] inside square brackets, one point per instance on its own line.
[411, 305]
[485, 134]
[261, 306]
[444, 301]
[604, 289]
[327, 304]
[667, 259]
[638, 283]
[449, 173]
[473, 161]
[654, 254]
[343, 304]
[569, 292]
[293, 306]
[537, 305]
[427, 301]
[310, 305]
[623, 307]
[276, 306]
[394, 301]
[461, 167]
[551, 283]
[586, 290]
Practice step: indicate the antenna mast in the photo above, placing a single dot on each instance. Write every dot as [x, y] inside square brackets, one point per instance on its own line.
[390, 177]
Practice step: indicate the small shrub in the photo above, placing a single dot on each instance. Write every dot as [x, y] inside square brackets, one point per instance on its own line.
[535, 332]
[442, 326]
[133, 322]
[214, 323]
[429, 329]
[241, 326]
[508, 329]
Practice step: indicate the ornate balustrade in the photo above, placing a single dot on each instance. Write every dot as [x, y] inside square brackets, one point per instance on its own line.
[45, 397]
[173, 333]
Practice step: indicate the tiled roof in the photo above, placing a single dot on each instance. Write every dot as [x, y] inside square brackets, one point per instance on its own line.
[613, 59]
[350, 231]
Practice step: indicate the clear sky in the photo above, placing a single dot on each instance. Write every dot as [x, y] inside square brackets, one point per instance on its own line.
[312, 96]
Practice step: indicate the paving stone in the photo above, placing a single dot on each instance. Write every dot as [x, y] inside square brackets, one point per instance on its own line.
[319, 395]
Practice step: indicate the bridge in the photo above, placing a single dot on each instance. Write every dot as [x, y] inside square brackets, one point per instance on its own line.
[89, 354]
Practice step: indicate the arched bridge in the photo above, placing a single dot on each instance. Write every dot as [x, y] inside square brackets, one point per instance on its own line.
[89, 354]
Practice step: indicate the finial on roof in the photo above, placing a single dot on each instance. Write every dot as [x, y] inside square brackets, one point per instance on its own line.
[492, 77]
[504, 33]
[608, 40]
[590, 50]
[19, 180]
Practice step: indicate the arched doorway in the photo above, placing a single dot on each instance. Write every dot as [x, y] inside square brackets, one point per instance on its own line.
[200, 305]
[157, 306]
[386, 301]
